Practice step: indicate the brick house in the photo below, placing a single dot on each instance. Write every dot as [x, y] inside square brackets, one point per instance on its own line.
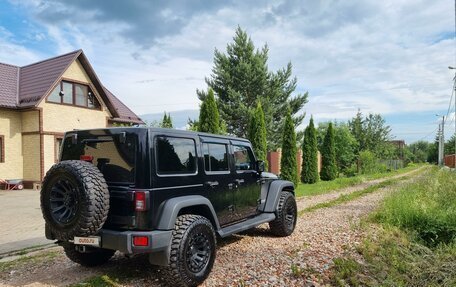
[39, 102]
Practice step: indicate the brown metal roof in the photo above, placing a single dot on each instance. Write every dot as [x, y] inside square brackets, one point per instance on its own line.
[22, 87]
[37, 79]
[8, 85]
[123, 112]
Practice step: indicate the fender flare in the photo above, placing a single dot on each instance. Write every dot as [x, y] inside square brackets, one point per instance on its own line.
[275, 188]
[169, 210]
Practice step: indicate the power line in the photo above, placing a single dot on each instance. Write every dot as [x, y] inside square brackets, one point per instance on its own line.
[426, 136]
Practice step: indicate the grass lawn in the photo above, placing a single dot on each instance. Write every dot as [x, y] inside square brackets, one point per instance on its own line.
[322, 187]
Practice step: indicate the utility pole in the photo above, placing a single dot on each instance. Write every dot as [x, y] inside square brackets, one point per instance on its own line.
[439, 137]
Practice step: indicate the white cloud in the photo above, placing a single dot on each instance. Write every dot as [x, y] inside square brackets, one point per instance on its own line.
[381, 56]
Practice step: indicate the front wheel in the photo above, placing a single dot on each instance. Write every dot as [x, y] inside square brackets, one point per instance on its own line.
[192, 251]
[286, 215]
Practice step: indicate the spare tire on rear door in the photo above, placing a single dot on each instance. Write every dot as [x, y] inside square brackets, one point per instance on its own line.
[74, 199]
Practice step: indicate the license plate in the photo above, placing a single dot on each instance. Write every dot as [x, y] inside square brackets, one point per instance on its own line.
[93, 241]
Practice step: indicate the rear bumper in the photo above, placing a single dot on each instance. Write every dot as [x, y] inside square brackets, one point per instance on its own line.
[123, 241]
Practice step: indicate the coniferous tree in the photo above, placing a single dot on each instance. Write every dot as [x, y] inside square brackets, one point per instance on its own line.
[328, 153]
[209, 118]
[240, 77]
[257, 133]
[166, 121]
[288, 163]
[309, 170]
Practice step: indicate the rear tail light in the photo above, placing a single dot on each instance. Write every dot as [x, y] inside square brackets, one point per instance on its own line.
[140, 201]
[87, 158]
[140, 241]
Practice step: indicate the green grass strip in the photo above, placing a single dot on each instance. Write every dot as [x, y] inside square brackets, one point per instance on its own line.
[323, 187]
[351, 196]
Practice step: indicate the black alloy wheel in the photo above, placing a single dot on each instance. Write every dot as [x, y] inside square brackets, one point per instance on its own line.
[64, 200]
[198, 252]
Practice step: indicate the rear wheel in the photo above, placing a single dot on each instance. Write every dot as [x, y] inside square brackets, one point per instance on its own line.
[286, 215]
[192, 251]
[94, 256]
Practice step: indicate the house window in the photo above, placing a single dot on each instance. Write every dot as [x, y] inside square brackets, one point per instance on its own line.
[57, 147]
[2, 148]
[73, 94]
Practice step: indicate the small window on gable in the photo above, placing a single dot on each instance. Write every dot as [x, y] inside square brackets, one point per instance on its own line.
[73, 94]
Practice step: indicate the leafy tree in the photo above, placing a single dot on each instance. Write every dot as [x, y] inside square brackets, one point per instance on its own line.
[328, 153]
[417, 151]
[240, 77]
[166, 121]
[372, 134]
[449, 146]
[209, 119]
[257, 133]
[346, 147]
[309, 170]
[288, 163]
[433, 152]
[345, 144]
[356, 126]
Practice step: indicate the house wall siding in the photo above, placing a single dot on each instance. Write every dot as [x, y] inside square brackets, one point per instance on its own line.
[48, 151]
[30, 121]
[76, 72]
[10, 129]
[31, 151]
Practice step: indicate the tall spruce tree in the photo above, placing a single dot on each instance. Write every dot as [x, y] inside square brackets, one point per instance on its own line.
[309, 170]
[166, 122]
[288, 163]
[209, 118]
[328, 153]
[257, 133]
[240, 77]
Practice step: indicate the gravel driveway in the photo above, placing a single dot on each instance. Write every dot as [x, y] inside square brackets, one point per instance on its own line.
[253, 258]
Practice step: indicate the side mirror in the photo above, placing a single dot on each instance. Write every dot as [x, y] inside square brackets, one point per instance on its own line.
[260, 166]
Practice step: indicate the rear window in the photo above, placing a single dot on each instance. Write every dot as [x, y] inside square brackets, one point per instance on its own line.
[114, 156]
[175, 155]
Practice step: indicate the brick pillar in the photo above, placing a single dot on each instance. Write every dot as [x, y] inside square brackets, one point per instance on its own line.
[274, 162]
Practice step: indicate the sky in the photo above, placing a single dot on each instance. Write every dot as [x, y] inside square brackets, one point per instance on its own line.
[388, 57]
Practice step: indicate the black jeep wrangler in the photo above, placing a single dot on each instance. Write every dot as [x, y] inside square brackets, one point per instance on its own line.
[167, 193]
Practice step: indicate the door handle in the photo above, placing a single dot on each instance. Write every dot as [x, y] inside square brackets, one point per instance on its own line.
[239, 181]
[212, 184]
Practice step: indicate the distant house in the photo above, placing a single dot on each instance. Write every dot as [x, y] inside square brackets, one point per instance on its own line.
[39, 102]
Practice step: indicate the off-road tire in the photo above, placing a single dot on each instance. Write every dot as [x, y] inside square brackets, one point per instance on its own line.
[79, 186]
[187, 228]
[286, 215]
[95, 257]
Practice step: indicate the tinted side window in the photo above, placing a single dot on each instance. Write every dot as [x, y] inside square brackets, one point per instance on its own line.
[243, 158]
[215, 157]
[175, 155]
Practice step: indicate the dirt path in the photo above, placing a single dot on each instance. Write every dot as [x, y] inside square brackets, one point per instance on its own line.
[250, 259]
[308, 201]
